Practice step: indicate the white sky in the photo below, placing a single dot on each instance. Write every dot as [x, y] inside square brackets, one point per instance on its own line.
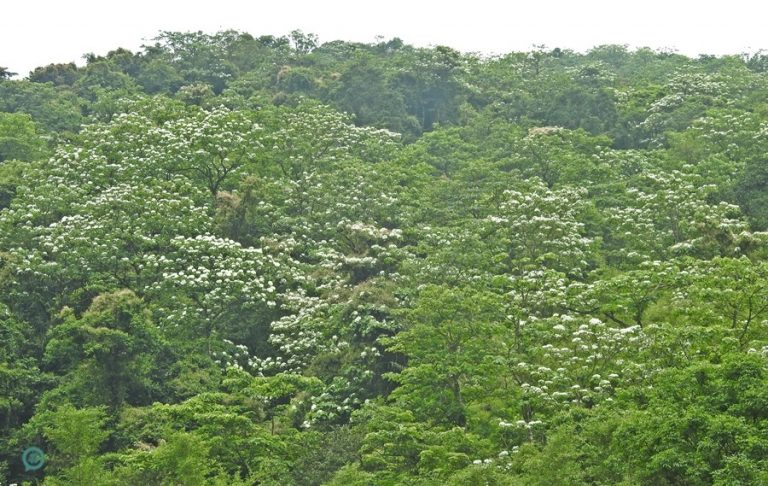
[38, 32]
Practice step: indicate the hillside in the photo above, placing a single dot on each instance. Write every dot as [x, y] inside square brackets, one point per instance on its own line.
[229, 259]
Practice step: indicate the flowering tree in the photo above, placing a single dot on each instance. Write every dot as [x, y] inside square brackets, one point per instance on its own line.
[541, 227]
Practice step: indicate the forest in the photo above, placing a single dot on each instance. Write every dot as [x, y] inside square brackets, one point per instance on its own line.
[238, 260]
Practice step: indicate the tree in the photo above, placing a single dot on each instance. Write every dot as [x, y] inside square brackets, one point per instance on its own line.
[55, 110]
[730, 292]
[539, 226]
[303, 43]
[198, 57]
[446, 342]
[313, 137]
[108, 357]
[57, 74]
[157, 76]
[5, 73]
[432, 93]
[213, 145]
[103, 75]
[363, 91]
[20, 138]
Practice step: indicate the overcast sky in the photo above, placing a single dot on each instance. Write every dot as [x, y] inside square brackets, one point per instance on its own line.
[40, 32]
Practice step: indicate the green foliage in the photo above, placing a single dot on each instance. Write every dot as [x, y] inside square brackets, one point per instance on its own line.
[5, 73]
[19, 139]
[10, 177]
[107, 357]
[686, 429]
[57, 74]
[74, 433]
[54, 109]
[447, 337]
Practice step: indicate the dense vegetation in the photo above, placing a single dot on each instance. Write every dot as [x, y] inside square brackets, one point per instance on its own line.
[238, 260]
